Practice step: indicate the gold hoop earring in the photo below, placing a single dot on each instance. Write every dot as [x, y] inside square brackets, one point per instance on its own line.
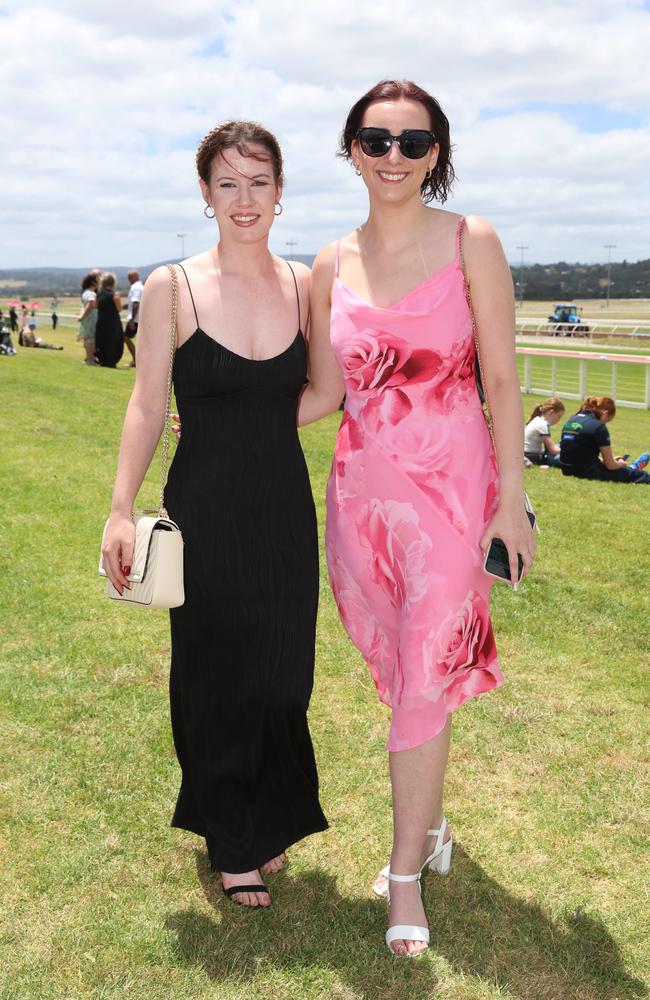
[278, 205]
[205, 212]
[428, 174]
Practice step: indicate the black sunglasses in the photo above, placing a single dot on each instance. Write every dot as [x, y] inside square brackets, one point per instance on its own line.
[414, 143]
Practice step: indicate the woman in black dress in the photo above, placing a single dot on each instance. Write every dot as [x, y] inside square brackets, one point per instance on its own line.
[243, 642]
[109, 336]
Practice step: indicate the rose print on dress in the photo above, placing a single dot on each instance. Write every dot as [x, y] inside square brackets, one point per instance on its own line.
[423, 451]
[359, 621]
[397, 548]
[376, 364]
[459, 654]
[347, 470]
[455, 385]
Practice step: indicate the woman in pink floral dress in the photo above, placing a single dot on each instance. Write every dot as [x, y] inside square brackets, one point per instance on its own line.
[416, 492]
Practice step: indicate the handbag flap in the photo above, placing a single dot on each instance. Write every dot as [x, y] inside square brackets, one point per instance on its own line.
[144, 528]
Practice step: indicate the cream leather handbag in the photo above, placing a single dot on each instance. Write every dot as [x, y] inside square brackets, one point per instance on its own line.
[156, 575]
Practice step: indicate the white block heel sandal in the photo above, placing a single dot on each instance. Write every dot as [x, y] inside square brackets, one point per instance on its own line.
[405, 932]
[438, 861]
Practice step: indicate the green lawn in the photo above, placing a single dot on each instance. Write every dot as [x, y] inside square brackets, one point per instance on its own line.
[102, 899]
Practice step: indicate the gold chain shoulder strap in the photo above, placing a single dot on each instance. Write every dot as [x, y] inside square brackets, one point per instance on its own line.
[170, 371]
[484, 400]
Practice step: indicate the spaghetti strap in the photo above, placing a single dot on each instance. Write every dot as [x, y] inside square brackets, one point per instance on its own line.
[297, 294]
[196, 316]
[338, 258]
[459, 249]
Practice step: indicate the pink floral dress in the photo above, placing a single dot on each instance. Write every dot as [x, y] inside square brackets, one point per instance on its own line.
[412, 487]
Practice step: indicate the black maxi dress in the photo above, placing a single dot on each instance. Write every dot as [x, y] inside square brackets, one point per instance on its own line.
[109, 335]
[243, 641]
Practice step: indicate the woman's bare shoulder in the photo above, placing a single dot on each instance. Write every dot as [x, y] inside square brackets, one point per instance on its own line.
[299, 268]
[159, 279]
[479, 229]
[325, 261]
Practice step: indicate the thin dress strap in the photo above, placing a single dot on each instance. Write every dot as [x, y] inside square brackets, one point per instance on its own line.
[338, 259]
[196, 316]
[297, 294]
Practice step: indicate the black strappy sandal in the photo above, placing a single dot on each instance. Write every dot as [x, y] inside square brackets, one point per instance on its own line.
[246, 888]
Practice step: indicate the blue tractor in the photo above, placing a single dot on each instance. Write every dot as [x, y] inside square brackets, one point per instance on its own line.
[567, 320]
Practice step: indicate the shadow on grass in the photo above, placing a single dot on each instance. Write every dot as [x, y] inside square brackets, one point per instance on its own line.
[484, 932]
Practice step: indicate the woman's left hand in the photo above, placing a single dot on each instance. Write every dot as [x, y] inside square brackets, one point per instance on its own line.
[511, 525]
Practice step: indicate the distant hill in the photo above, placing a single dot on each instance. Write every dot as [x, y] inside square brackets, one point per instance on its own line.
[45, 281]
[541, 281]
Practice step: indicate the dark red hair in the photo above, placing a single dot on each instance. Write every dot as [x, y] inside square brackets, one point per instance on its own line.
[599, 405]
[439, 184]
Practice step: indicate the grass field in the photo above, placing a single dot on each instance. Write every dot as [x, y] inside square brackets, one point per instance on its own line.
[546, 789]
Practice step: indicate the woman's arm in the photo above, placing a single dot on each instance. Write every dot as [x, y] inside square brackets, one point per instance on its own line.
[325, 390]
[117, 300]
[143, 423]
[608, 458]
[490, 283]
[92, 304]
[550, 445]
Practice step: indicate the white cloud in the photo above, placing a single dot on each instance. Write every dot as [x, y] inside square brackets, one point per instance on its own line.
[103, 107]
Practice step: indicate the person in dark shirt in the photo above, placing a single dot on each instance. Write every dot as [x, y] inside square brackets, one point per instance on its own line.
[586, 449]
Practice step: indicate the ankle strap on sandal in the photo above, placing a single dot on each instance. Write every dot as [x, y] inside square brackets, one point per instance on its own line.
[438, 834]
[404, 878]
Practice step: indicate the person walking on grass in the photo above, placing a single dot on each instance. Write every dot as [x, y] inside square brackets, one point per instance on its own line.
[133, 308]
[88, 316]
[416, 492]
[243, 642]
[109, 336]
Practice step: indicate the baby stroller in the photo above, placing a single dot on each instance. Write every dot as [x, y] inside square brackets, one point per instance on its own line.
[6, 343]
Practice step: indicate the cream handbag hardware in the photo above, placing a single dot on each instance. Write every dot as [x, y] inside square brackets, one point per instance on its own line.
[481, 384]
[156, 575]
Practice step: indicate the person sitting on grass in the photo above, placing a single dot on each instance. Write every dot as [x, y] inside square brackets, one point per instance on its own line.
[539, 446]
[28, 338]
[585, 446]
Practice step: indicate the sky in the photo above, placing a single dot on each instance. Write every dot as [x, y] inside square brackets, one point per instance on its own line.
[104, 105]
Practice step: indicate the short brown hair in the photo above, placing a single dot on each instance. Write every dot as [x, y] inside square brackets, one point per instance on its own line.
[237, 135]
[439, 184]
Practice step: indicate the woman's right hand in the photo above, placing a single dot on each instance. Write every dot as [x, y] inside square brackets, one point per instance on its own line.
[117, 550]
[176, 425]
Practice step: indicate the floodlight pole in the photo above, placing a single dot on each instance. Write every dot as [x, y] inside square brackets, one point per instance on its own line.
[609, 247]
[521, 247]
[181, 237]
[291, 244]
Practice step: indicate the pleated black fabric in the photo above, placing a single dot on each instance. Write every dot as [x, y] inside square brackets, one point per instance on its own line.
[243, 642]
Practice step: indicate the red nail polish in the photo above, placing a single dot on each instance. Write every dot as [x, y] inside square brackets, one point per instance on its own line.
[126, 570]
